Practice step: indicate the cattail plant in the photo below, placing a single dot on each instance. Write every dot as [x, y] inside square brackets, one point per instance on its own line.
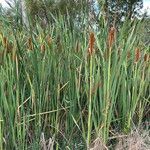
[137, 54]
[91, 44]
[42, 48]
[110, 41]
[111, 37]
[8, 46]
[146, 57]
[30, 44]
[48, 40]
[90, 52]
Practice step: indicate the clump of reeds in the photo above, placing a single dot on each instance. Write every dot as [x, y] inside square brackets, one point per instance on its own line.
[67, 97]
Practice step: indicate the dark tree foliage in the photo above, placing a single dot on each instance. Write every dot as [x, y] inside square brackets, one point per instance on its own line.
[116, 10]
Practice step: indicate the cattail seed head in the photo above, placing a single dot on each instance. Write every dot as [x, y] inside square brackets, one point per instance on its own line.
[30, 44]
[43, 48]
[137, 54]
[5, 42]
[91, 43]
[48, 40]
[111, 36]
[146, 57]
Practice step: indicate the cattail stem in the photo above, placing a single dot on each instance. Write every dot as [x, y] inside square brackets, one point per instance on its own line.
[90, 104]
[90, 50]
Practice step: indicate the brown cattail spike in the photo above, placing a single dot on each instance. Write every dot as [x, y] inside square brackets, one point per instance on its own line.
[137, 54]
[111, 36]
[128, 55]
[30, 44]
[91, 43]
[5, 42]
[48, 40]
[43, 48]
[7, 45]
[146, 57]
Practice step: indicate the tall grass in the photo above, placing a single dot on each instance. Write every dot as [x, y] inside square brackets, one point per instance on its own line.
[60, 84]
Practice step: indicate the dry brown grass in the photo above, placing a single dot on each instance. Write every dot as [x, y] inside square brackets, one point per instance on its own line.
[98, 144]
[136, 140]
[46, 144]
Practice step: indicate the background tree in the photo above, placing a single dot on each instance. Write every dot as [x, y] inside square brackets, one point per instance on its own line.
[69, 9]
[117, 10]
[76, 12]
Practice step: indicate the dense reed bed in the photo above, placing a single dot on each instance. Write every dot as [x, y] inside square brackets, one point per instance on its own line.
[62, 88]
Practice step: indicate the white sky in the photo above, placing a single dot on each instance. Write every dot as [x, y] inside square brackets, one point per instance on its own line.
[146, 5]
[3, 3]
